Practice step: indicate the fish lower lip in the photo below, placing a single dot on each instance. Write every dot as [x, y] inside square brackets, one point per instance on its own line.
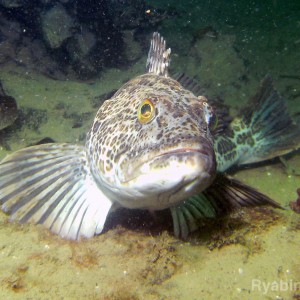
[186, 150]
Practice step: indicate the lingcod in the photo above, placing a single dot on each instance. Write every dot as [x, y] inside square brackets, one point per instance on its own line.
[154, 145]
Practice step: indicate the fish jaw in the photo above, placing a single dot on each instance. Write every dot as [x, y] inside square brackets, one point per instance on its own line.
[167, 179]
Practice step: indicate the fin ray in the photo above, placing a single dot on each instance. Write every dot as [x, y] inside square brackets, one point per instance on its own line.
[222, 197]
[272, 128]
[158, 60]
[51, 184]
[261, 134]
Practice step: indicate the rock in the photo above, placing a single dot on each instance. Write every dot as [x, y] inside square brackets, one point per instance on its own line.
[80, 62]
[46, 140]
[39, 51]
[8, 109]
[9, 30]
[219, 61]
[215, 62]
[12, 3]
[45, 2]
[85, 41]
[7, 51]
[34, 57]
[56, 25]
[128, 14]
[79, 48]
[133, 49]
[24, 56]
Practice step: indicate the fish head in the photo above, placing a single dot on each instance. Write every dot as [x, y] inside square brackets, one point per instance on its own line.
[150, 145]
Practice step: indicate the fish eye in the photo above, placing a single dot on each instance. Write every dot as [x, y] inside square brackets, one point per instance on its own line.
[146, 111]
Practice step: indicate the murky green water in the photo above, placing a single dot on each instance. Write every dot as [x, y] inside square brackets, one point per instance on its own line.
[252, 254]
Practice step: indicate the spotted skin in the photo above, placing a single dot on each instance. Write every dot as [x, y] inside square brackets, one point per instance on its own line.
[150, 147]
[118, 143]
[258, 134]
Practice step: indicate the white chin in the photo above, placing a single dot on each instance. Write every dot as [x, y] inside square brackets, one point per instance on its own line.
[161, 189]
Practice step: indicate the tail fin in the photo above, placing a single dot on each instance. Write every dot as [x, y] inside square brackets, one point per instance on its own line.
[51, 184]
[272, 128]
[264, 131]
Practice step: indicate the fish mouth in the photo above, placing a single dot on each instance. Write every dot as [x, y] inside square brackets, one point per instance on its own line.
[185, 151]
[193, 158]
[168, 177]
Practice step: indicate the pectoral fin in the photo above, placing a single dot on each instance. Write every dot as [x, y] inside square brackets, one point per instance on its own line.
[223, 196]
[51, 184]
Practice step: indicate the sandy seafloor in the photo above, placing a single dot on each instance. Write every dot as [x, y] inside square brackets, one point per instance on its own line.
[252, 254]
[221, 261]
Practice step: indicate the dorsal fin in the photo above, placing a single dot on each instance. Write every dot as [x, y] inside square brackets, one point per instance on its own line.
[189, 83]
[158, 59]
[221, 111]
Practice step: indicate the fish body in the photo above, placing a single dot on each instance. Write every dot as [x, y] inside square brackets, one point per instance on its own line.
[151, 146]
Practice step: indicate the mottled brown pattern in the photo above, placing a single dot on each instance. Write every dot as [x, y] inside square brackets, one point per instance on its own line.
[118, 140]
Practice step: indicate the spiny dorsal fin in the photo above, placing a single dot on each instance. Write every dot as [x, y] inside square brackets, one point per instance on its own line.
[158, 59]
[189, 83]
[221, 111]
